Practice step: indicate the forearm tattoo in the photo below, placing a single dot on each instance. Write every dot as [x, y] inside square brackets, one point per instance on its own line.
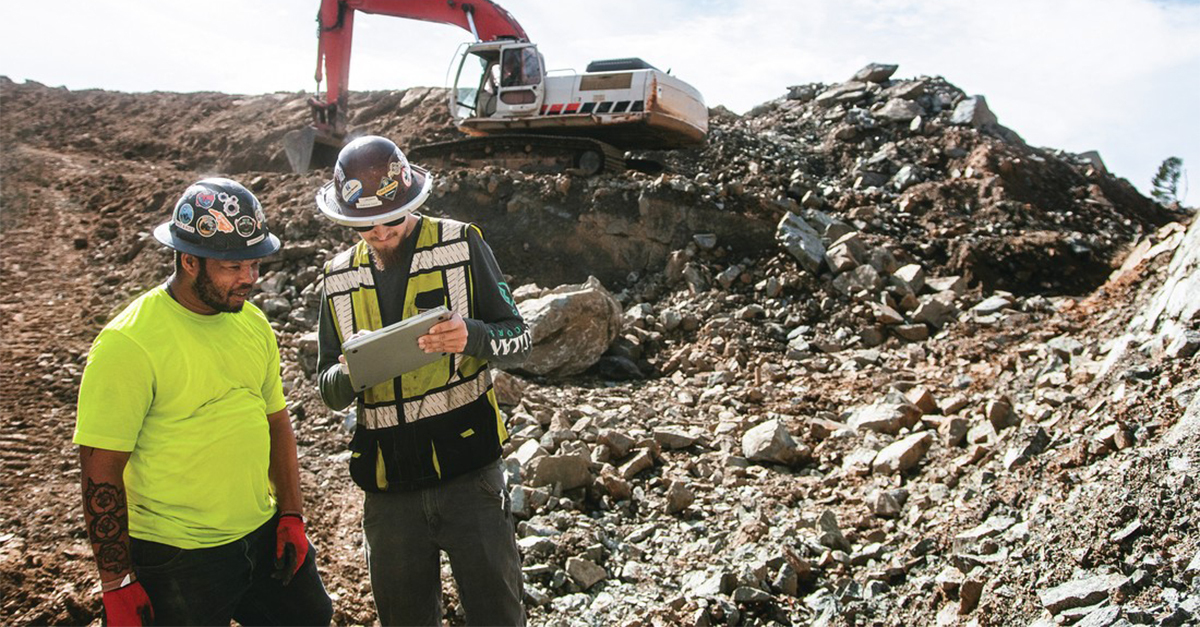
[108, 524]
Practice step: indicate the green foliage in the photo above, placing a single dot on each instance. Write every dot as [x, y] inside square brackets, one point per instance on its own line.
[1165, 184]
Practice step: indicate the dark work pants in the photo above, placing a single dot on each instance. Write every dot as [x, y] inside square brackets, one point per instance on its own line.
[232, 581]
[469, 517]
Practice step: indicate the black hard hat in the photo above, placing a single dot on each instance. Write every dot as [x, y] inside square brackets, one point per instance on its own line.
[219, 219]
[373, 183]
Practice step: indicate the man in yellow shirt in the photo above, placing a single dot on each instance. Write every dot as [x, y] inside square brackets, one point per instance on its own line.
[190, 481]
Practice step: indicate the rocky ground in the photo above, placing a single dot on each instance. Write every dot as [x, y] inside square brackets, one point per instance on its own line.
[870, 358]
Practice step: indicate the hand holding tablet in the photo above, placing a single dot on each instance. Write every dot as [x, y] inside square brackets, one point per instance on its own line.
[375, 357]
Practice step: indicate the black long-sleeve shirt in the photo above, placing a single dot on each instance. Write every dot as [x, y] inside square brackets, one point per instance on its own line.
[497, 333]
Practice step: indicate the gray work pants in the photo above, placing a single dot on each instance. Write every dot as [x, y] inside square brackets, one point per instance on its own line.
[469, 518]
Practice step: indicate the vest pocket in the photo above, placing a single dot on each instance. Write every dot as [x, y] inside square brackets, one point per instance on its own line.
[364, 457]
[466, 438]
[430, 299]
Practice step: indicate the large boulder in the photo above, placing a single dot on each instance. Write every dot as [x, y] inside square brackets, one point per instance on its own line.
[973, 112]
[802, 241]
[567, 471]
[770, 442]
[847, 253]
[936, 310]
[848, 92]
[875, 72]
[903, 454]
[888, 415]
[572, 326]
[899, 110]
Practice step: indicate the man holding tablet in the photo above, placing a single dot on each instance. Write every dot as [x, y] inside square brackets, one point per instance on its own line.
[427, 444]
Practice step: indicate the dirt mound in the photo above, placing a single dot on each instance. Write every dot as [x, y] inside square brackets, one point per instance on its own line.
[1015, 338]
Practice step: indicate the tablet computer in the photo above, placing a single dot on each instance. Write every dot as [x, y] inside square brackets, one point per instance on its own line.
[385, 354]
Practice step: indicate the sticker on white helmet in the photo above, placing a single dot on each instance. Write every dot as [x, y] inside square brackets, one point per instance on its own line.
[351, 190]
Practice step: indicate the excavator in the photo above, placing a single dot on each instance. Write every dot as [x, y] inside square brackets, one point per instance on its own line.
[515, 113]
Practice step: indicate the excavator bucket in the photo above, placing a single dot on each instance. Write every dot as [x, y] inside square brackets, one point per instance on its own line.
[308, 149]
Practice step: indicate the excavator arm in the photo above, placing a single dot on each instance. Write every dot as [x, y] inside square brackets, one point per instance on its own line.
[482, 18]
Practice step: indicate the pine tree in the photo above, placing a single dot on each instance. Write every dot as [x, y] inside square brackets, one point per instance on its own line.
[1165, 184]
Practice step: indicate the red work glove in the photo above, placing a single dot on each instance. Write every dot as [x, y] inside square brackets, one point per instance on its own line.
[291, 547]
[128, 606]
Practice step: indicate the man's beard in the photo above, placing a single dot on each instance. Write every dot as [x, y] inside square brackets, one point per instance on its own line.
[207, 292]
[387, 259]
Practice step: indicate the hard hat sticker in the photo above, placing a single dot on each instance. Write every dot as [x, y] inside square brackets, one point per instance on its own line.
[400, 168]
[223, 224]
[366, 202]
[387, 188]
[251, 242]
[260, 216]
[205, 199]
[351, 190]
[207, 226]
[246, 226]
[230, 203]
[185, 214]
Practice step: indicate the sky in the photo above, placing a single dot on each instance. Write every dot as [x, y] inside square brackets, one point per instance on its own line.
[1118, 76]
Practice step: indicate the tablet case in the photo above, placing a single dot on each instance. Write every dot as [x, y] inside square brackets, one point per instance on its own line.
[391, 351]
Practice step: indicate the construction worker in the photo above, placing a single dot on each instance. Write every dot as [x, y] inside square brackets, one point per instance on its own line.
[191, 490]
[427, 443]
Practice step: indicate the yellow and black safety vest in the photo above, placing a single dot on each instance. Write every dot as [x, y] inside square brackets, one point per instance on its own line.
[437, 421]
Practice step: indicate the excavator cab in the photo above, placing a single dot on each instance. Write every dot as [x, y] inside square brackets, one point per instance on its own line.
[497, 79]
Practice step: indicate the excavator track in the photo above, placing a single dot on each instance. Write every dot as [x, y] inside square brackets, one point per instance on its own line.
[534, 154]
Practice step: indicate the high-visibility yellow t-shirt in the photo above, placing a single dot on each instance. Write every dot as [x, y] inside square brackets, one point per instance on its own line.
[188, 395]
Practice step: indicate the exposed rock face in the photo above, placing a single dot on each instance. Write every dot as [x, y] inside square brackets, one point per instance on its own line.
[1178, 302]
[565, 229]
